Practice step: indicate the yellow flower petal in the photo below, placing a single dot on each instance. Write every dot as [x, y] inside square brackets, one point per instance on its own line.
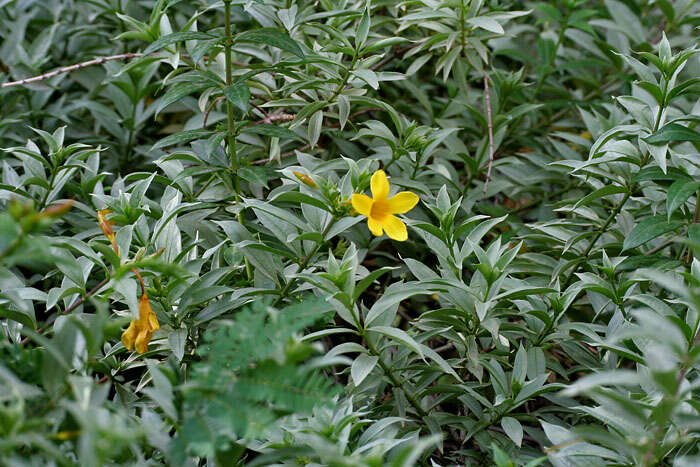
[146, 315]
[105, 224]
[395, 228]
[129, 336]
[375, 227]
[403, 202]
[362, 204]
[379, 185]
[142, 340]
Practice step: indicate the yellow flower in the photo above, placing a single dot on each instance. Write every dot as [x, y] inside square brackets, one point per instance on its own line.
[140, 331]
[106, 226]
[380, 209]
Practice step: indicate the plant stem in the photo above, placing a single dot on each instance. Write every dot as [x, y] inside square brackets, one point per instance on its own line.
[550, 61]
[392, 377]
[72, 307]
[487, 104]
[599, 234]
[305, 262]
[231, 121]
[345, 80]
[44, 199]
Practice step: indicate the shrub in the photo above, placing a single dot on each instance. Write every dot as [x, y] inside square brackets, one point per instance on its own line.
[349, 233]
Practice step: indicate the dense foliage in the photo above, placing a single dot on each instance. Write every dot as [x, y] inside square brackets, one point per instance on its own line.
[343, 232]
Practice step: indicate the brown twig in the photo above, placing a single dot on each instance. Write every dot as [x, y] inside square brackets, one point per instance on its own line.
[70, 308]
[209, 109]
[487, 103]
[285, 117]
[68, 69]
[96, 61]
[390, 57]
[353, 115]
[284, 155]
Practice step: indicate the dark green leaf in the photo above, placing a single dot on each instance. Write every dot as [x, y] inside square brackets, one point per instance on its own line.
[272, 37]
[672, 132]
[274, 131]
[647, 230]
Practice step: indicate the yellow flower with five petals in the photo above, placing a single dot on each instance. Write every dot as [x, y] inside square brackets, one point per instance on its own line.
[380, 209]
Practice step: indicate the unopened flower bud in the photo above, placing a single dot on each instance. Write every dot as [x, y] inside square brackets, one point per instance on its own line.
[305, 179]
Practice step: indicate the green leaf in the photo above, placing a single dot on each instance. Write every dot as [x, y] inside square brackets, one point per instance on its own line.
[672, 132]
[272, 37]
[182, 137]
[513, 429]
[647, 230]
[678, 194]
[363, 29]
[275, 131]
[398, 335]
[362, 367]
[298, 198]
[655, 173]
[178, 91]
[174, 38]
[600, 193]
[239, 96]
[603, 379]
[487, 23]
[254, 174]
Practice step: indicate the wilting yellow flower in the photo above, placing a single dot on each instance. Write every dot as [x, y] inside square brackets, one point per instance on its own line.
[305, 179]
[140, 331]
[380, 209]
[106, 226]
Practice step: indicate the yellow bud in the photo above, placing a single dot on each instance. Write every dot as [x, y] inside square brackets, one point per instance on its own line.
[106, 227]
[305, 179]
[58, 209]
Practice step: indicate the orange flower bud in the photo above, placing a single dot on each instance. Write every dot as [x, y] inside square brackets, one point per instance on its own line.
[58, 209]
[106, 226]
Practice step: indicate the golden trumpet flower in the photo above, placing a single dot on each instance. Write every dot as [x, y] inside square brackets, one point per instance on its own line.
[380, 209]
[140, 331]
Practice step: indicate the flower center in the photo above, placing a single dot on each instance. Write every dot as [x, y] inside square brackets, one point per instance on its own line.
[380, 210]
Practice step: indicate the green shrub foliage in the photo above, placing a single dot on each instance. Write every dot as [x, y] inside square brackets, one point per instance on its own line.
[349, 232]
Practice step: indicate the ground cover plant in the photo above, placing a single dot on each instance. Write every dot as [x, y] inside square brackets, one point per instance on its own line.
[349, 232]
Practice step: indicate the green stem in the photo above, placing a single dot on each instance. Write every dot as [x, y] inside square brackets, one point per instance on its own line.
[305, 262]
[231, 122]
[345, 80]
[395, 381]
[662, 106]
[44, 199]
[599, 234]
[550, 61]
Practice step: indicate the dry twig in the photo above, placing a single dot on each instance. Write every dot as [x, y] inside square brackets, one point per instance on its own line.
[68, 69]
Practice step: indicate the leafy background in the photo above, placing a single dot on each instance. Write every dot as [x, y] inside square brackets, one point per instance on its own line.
[543, 311]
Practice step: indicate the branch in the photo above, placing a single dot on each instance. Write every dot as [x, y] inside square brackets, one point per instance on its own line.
[68, 69]
[72, 307]
[96, 61]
